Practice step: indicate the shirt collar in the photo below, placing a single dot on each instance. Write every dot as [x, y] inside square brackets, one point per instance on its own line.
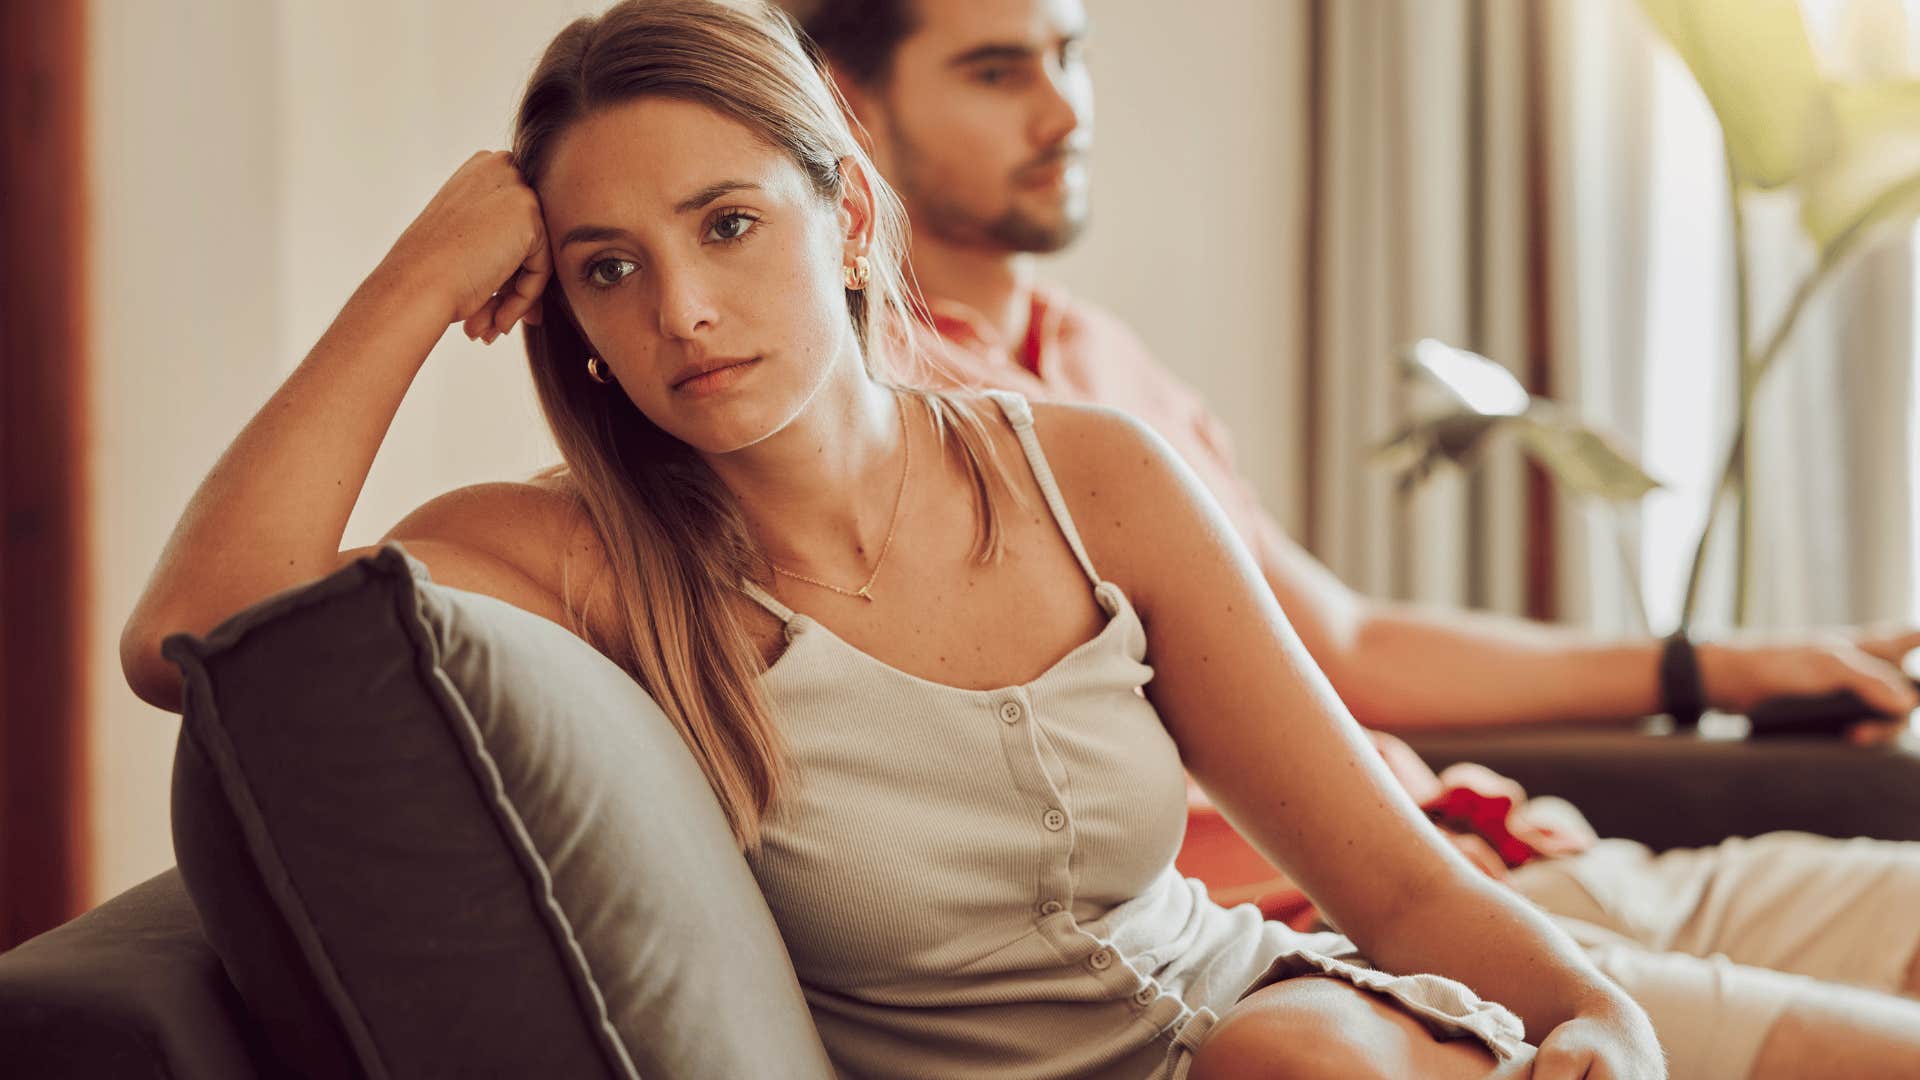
[964, 324]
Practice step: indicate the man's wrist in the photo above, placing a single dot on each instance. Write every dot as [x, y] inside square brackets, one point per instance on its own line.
[1682, 691]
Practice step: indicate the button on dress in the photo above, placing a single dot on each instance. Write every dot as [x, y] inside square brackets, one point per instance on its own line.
[980, 883]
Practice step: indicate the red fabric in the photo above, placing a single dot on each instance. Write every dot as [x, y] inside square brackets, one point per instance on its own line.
[1463, 809]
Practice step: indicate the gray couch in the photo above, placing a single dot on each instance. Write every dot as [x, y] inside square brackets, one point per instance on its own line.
[379, 661]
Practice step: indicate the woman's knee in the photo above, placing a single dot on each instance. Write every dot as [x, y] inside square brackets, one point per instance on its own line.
[1313, 1027]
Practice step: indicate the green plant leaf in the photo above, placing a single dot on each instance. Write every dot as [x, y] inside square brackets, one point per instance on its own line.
[1583, 458]
[1470, 380]
[1449, 438]
[1873, 176]
[1756, 65]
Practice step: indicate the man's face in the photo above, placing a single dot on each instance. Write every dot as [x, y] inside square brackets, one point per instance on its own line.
[984, 123]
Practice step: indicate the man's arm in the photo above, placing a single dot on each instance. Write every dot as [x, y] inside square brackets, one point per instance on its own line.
[1402, 667]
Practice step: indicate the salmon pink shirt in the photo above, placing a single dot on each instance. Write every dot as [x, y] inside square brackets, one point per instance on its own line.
[1074, 352]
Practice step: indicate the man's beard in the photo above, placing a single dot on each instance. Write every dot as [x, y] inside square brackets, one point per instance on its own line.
[1015, 230]
[1018, 231]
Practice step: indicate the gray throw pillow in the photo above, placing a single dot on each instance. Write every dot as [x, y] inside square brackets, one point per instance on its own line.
[431, 834]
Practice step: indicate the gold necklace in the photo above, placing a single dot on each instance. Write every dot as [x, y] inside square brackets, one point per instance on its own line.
[906, 454]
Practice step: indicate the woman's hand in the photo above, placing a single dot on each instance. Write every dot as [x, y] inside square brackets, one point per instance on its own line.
[483, 241]
[1615, 1042]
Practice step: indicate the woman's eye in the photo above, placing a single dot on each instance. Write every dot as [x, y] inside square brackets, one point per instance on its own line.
[595, 278]
[733, 225]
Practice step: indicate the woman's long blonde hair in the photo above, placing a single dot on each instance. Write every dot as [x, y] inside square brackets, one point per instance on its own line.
[676, 543]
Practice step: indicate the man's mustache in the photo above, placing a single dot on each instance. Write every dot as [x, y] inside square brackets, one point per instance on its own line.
[1062, 154]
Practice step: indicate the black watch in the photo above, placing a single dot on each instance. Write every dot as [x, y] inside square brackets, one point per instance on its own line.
[1680, 694]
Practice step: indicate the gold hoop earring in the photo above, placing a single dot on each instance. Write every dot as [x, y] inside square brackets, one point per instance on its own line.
[859, 275]
[593, 371]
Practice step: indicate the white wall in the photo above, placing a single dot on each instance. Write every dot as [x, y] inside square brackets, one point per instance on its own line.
[184, 253]
[251, 162]
[1198, 226]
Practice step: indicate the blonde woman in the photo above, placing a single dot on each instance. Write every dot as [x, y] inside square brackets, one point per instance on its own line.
[942, 657]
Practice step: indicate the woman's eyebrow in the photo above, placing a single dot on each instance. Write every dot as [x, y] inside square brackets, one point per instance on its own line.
[699, 199]
[585, 234]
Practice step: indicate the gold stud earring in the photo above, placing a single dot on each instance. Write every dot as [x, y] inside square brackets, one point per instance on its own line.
[859, 275]
[594, 372]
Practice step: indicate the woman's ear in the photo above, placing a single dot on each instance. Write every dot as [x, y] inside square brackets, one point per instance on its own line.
[855, 213]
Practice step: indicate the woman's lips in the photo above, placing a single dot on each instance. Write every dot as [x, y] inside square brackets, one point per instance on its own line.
[716, 380]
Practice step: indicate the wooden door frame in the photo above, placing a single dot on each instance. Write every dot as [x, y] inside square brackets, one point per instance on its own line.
[45, 593]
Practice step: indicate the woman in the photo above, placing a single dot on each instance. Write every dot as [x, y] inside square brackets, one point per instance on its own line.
[953, 773]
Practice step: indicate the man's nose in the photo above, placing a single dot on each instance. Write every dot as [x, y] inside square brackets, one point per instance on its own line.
[1064, 99]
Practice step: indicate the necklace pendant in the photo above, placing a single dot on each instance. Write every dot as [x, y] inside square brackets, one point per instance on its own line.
[864, 594]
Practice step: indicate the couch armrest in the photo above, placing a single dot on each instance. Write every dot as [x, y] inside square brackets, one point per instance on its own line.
[130, 989]
[1686, 791]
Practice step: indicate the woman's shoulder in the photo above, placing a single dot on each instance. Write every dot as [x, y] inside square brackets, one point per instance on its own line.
[1083, 443]
[529, 541]
[535, 524]
[1122, 484]
[1097, 441]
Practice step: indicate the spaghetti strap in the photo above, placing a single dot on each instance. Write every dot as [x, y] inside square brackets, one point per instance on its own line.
[765, 599]
[1020, 415]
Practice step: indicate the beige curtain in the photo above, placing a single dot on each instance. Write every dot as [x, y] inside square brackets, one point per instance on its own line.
[1831, 528]
[1479, 177]
[1832, 533]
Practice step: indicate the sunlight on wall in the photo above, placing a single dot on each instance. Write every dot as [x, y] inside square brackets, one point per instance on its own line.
[1913, 314]
[1689, 392]
[1689, 334]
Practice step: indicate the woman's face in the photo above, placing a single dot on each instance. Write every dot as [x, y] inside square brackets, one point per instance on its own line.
[685, 244]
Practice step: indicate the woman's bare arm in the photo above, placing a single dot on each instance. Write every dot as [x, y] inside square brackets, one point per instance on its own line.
[271, 512]
[1262, 730]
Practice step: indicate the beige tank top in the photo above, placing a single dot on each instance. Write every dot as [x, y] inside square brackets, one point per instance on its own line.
[980, 883]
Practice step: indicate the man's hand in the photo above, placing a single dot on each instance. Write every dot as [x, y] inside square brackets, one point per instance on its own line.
[1738, 673]
[1479, 853]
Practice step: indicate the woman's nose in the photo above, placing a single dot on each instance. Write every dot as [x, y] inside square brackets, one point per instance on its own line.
[685, 308]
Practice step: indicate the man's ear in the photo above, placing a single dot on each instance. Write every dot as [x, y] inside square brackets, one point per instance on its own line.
[861, 106]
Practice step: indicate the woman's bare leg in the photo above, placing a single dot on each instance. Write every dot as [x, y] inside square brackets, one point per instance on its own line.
[1312, 1027]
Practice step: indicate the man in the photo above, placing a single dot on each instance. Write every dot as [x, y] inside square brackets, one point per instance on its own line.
[979, 114]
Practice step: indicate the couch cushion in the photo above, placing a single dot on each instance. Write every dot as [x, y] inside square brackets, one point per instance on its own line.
[438, 835]
[1669, 791]
[126, 991]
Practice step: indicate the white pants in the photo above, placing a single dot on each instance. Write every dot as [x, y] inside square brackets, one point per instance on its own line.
[1714, 942]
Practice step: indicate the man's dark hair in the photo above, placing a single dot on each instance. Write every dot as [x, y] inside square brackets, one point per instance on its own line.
[857, 36]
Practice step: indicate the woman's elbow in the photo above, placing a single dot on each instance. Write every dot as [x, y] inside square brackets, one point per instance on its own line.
[153, 678]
